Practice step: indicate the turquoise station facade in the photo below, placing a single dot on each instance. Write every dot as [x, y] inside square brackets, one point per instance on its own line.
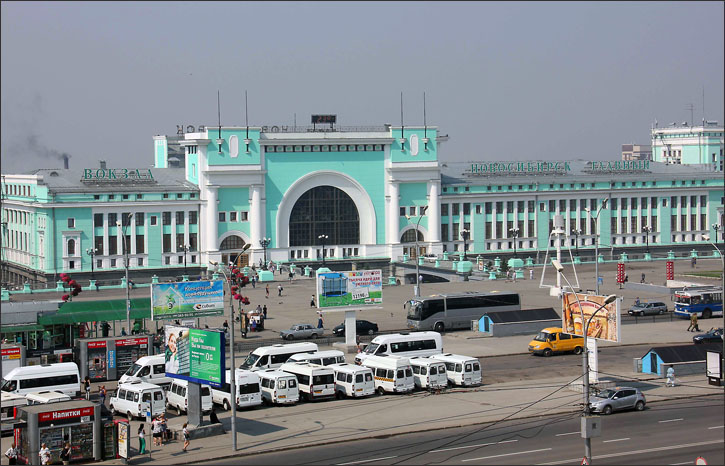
[350, 194]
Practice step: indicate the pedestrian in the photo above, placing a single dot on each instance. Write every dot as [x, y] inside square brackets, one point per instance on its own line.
[65, 453]
[102, 394]
[141, 439]
[266, 290]
[123, 332]
[636, 301]
[254, 325]
[226, 326]
[279, 290]
[626, 278]
[186, 437]
[670, 376]
[254, 281]
[693, 262]
[642, 280]
[87, 387]
[264, 311]
[291, 275]
[165, 432]
[531, 274]
[319, 320]
[157, 431]
[312, 301]
[693, 322]
[44, 454]
[12, 454]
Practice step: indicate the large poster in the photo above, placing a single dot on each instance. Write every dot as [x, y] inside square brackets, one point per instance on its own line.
[604, 326]
[187, 299]
[196, 355]
[356, 288]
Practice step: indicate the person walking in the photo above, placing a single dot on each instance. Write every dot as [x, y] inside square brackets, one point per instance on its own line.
[44, 454]
[312, 301]
[693, 322]
[693, 262]
[157, 431]
[65, 453]
[531, 274]
[226, 326]
[319, 320]
[642, 280]
[12, 454]
[279, 290]
[266, 290]
[291, 275]
[670, 376]
[636, 301]
[141, 439]
[187, 437]
[87, 387]
[102, 394]
[264, 311]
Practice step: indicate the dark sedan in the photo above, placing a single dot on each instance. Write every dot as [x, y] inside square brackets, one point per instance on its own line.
[713, 336]
[363, 327]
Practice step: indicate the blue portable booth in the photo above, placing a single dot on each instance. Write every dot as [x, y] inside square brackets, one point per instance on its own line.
[657, 357]
[522, 322]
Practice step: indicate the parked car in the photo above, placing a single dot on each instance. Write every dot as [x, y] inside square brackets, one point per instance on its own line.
[553, 340]
[714, 335]
[362, 327]
[648, 309]
[299, 331]
[617, 399]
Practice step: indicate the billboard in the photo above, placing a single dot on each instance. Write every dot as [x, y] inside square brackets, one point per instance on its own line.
[345, 289]
[606, 323]
[187, 299]
[195, 355]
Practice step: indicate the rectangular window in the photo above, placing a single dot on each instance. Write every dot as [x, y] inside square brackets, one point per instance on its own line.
[113, 262]
[693, 222]
[140, 244]
[614, 203]
[179, 241]
[623, 222]
[402, 211]
[531, 228]
[703, 201]
[542, 206]
[180, 217]
[192, 217]
[71, 223]
[222, 216]
[466, 208]
[167, 242]
[572, 204]
[562, 205]
[167, 260]
[456, 228]
[499, 229]
[613, 225]
[654, 223]
[488, 230]
[412, 211]
[139, 219]
[140, 261]
[673, 223]
[166, 218]
[97, 220]
[552, 206]
[624, 203]
[643, 201]
[489, 208]
[152, 220]
[244, 216]
[633, 225]
[98, 244]
[456, 209]
[233, 216]
[112, 244]
[703, 222]
[478, 208]
[444, 232]
[192, 241]
[125, 197]
[444, 210]
[673, 202]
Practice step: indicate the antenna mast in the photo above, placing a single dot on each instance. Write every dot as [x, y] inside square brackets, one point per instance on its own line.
[219, 114]
[402, 127]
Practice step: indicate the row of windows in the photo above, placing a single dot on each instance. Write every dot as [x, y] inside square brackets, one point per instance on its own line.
[17, 240]
[16, 216]
[415, 345]
[40, 382]
[135, 262]
[327, 148]
[234, 216]
[17, 189]
[140, 217]
[622, 184]
[126, 197]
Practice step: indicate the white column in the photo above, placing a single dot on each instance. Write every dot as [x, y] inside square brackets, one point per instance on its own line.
[211, 221]
[494, 214]
[394, 213]
[256, 216]
[132, 227]
[434, 212]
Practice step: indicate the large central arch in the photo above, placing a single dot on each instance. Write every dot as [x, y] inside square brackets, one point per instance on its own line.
[338, 180]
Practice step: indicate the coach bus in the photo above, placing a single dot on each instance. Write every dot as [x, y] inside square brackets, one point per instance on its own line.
[450, 311]
[705, 303]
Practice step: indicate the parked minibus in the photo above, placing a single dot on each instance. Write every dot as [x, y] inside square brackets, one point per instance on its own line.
[323, 358]
[278, 387]
[353, 380]
[461, 370]
[249, 393]
[44, 397]
[178, 396]
[9, 404]
[150, 369]
[403, 344]
[429, 373]
[272, 357]
[391, 373]
[315, 381]
[61, 377]
[135, 398]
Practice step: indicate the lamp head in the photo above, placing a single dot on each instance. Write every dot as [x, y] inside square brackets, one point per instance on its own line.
[706, 237]
[407, 216]
[118, 223]
[604, 203]
[557, 265]
[246, 246]
[610, 299]
[214, 262]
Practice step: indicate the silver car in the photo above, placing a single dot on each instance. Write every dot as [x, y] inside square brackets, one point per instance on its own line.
[617, 399]
[300, 331]
[648, 309]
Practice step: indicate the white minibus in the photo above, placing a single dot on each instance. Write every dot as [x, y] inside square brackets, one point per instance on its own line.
[391, 373]
[9, 404]
[353, 380]
[135, 398]
[249, 393]
[278, 387]
[403, 344]
[461, 370]
[429, 373]
[61, 377]
[178, 397]
[150, 369]
[37, 398]
[323, 358]
[272, 357]
[315, 381]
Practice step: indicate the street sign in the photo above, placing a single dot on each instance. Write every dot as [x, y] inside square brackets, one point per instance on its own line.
[584, 460]
[700, 460]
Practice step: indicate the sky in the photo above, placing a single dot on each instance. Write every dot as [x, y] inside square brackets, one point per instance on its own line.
[505, 80]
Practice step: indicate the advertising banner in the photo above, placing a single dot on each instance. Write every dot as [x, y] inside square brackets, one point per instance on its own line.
[195, 355]
[123, 440]
[606, 323]
[345, 289]
[187, 299]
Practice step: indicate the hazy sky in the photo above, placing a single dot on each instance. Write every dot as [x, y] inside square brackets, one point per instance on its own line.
[506, 81]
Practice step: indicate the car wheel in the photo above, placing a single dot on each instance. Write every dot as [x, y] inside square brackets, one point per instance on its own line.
[371, 331]
[226, 405]
[661, 312]
[547, 352]
[113, 411]
[129, 415]
[641, 313]
[178, 411]
[339, 394]
[289, 337]
[706, 314]
[578, 350]
[639, 406]
[381, 391]
[439, 327]
[313, 336]
[607, 410]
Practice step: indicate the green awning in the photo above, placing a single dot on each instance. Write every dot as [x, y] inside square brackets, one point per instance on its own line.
[98, 311]
[20, 328]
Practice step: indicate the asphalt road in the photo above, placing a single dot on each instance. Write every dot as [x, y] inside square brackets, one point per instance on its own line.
[672, 432]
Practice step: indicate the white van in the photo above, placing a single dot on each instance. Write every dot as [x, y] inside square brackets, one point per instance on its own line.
[135, 398]
[429, 373]
[150, 369]
[272, 357]
[278, 387]
[177, 397]
[461, 370]
[249, 393]
[323, 358]
[403, 344]
[391, 373]
[353, 380]
[315, 381]
[60, 377]
[37, 398]
[9, 403]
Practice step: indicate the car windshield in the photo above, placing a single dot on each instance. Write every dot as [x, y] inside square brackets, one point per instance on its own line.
[542, 336]
[412, 308]
[7, 385]
[249, 362]
[133, 369]
[371, 348]
[607, 393]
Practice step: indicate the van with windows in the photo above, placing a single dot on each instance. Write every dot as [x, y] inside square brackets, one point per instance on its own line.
[272, 357]
[150, 369]
[391, 373]
[44, 397]
[323, 358]
[135, 398]
[429, 373]
[61, 377]
[249, 393]
[553, 340]
[315, 381]
[278, 387]
[353, 380]
[9, 403]
[178, 397]
[461, 370]
[403, 344]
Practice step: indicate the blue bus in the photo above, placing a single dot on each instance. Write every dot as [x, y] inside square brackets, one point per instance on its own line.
[705, 303]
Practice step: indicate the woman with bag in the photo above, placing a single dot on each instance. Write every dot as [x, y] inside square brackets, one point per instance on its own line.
[186, 437]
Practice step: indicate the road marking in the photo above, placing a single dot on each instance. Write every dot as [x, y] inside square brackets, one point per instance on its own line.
[568, 433]
[716, 427]
[506, 454]
[671, 420]
[472, 446]
[638, 452]
[675, 464]
[367, 461]
[616, 440]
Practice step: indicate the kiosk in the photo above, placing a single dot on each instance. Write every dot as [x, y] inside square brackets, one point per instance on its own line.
[109, 358]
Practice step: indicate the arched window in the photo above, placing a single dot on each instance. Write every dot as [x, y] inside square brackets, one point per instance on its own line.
[409, 236]
[231, 249]
[232, 242]
[324, 210]
[71, 247]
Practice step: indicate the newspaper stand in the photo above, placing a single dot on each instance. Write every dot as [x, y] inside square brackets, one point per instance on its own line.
[108, 358]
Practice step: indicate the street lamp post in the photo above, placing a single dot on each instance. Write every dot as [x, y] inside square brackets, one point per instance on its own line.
[323, 238]
[92, 252]
[596, 241]
[576, 234]
[417, 251]
[264, 242]
[647, 229]
[585, 354]
[722, 274]
[515, 233]
[465, 235]
[186, 248]
[125, 261]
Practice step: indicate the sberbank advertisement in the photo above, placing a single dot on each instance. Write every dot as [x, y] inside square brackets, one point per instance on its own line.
[197, 355]
[180, 300]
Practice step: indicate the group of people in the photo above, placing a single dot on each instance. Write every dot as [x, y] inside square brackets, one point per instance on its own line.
[252, 321]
